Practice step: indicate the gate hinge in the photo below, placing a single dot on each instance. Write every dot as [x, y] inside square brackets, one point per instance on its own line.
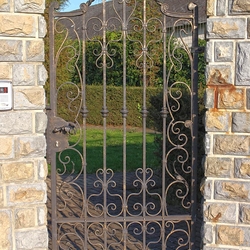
[198, 49]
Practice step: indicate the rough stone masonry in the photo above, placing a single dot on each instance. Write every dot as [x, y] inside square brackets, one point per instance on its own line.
[23, 167]
[226, 186]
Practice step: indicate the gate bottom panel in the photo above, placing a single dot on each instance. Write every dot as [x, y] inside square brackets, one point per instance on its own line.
[125, 235]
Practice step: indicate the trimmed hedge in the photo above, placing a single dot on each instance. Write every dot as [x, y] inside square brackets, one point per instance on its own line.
[68, 109]
[94, 103]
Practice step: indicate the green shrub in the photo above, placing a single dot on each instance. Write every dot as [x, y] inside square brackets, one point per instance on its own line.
[69, 104]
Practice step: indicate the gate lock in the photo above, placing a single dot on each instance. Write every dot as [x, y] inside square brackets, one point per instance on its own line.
[57, 134]
[68, 129]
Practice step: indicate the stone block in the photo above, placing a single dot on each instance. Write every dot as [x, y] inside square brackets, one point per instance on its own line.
[218, 167]
[226, 28]
[5, 5]
[24, 74]
[207, 233]
[233, 191]
[42, 27]
[244, 213]
[231, 144]
[22, 122]
[231, 98]
[233, 236]
[32, 239]
[6, 147]
[209, 98]
[248, 98]
[17, 171]
[42, 169]
[25, 217]
[5, 71]
[241, 122]
[206, 189]
[239, 6]
[11, 51]
[221, 10]
[34, 6]
[207, 144]
[1, 197]
[210, 7]
[224, 51]
[242, 168]
[42, 216]
[209, 52]
[17, 25]
[217, 121]
[218, 75]
[5, 230]
[248, 28]
[41, 122]
[26, 194]
[42, 75]
[29, 98]
[35, 51]
[243, 64]
[220, 212]
[30, 146]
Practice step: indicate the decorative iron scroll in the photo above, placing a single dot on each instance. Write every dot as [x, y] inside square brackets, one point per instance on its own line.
[108, 210]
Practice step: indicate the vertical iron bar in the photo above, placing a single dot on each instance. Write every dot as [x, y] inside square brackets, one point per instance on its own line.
[124, 116]
[84, 114]
[194, 106]
[144, 116]
[53, 111]
[52, 66]
[104, 113]
[164, 117]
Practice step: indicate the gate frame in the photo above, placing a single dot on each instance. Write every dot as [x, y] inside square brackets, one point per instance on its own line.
[52, 109]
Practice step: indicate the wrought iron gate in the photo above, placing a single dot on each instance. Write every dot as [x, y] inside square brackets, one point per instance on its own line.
[108, 210]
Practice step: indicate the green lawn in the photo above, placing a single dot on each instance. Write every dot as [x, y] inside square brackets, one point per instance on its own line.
[114, 151]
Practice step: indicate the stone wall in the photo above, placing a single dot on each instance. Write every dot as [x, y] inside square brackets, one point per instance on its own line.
[23, 168]
[227, 163]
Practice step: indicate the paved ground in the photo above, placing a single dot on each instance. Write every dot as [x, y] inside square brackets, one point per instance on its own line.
[71, 203]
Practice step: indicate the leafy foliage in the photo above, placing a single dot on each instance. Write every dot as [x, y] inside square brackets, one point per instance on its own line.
[114, 97]
[143, 58]
[62, 74]
[114, 62]
[134, 73]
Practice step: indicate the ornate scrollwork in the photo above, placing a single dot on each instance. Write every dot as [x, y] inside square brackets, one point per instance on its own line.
[143, 212]
[70, 230]
[178, 228]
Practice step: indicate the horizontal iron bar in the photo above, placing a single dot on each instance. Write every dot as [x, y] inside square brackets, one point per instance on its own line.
[127, 219]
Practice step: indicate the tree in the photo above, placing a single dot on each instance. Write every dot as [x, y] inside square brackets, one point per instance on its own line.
[147, 38]
[141, 43]
[59, 37]
[114, 62]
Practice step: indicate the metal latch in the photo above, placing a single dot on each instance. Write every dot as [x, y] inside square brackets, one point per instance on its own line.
[68, 129]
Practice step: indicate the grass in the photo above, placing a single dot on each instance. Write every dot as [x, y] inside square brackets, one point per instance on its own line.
[114, 151]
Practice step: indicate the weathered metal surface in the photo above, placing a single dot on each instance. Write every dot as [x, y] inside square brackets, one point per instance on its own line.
[96, 215]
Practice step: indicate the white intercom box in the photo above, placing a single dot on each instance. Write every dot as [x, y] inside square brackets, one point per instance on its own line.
[5, 95]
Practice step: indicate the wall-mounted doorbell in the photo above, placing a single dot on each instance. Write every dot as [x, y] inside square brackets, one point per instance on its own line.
[5, 95]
